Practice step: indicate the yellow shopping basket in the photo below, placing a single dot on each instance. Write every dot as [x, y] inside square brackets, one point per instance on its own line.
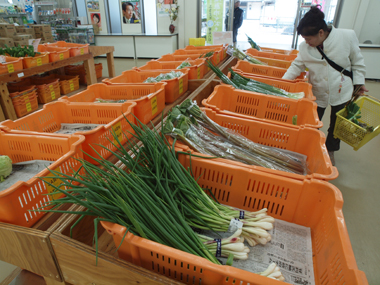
[353, 134]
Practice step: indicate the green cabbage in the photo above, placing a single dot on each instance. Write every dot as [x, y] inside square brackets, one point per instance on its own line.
[5, 167]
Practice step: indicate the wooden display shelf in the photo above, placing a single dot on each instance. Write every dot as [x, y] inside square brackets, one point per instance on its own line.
[8, 111]
[47, 249]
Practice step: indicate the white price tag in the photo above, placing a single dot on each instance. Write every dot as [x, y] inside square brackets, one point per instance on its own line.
[2, 59]
[234, 226]
[20, 74]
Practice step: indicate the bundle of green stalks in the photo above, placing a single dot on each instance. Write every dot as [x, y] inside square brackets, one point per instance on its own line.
[253, 44]
[155, 197]
[240, 82]
[242, 56]
[193, 127]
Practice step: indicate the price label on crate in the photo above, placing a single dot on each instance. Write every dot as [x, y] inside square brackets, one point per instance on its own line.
[61, 56]
[81, 51]
[39, 61]
[199, 73]
[218, 58]
[71, 85]
[50, 189]
[28, 107]
[53, 95]
[180, 86]
[153, 103]
[118, 132]
[51, 87]
[26, 98]
[225, 52]
[11, 68]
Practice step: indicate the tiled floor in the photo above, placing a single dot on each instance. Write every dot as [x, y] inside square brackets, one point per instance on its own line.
[357, 181]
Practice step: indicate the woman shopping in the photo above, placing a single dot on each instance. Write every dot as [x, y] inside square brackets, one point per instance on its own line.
[335, 64]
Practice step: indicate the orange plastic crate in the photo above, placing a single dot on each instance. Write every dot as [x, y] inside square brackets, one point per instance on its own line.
[149, 98]
[47, 87]
[311, 203]
[215, 58]
[17, 201]
[55, 53]
[12, 64]
[67, 83]
[224, 47]
[37, 60]
[48, 92]
[273, 62]
[182, 58]
[175, 87]
[273, 55]
[250, 105]
[75, 49]
[25, 102]
[49, 119]
[81, 72]
[307, 141]
[264, 70]
[281, 51]
[287, 86]
[196, 70]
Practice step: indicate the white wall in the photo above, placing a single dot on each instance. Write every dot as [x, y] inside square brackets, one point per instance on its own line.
[185, 25]
[371, 25]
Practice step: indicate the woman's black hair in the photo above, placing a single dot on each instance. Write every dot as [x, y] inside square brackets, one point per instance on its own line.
[125, 4]
[312, 22]
[97, 16]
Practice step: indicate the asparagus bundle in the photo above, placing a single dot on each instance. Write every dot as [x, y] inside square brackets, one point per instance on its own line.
[253, 44]
[198, 132]
[240, 82]
[242, 56]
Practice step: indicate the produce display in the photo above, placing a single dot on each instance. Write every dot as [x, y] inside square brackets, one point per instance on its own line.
[159, 192]
[164, 76]
[240, 82]
[18, 51]
[154, 180]
[194, 128]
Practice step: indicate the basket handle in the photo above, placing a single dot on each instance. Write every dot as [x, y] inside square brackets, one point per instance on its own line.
[373, 98]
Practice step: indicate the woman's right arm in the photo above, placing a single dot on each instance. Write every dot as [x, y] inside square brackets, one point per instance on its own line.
[295, 69]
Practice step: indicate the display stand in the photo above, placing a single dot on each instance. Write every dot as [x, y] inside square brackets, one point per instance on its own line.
[47, 249]
[89, 64]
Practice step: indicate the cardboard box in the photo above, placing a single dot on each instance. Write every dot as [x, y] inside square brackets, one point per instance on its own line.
[7, 30]
[49, 40]
[26, 31]
[43, 35]
[22, 43]
[6, 41]
[41, 28]
[22, 37]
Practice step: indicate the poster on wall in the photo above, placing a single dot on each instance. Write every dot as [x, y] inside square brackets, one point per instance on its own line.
[214, 18]
[131, 12]
[96, 21]
[163, 7]
[93, 6]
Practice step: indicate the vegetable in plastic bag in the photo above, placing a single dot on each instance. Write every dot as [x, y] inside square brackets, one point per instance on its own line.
[5, 167]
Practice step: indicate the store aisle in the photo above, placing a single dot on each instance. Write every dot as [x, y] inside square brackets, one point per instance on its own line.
[358, 173]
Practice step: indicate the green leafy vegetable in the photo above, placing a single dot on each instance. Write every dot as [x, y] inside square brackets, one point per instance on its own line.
[5, 167]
